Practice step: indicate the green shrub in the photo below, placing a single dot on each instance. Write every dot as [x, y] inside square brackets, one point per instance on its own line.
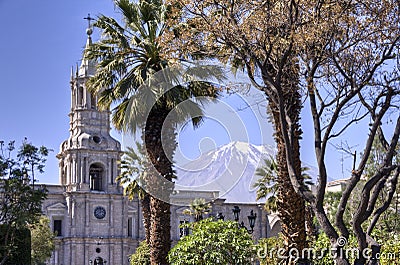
[267, 250]
[322, 246]
[142, 255]
[213, 242]
[390, 251]
[20, 249]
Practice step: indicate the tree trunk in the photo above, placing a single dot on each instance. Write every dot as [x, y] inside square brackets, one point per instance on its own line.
[311, 230]
[160, 145]
[291, 206]
[146, 216]
[160, 237]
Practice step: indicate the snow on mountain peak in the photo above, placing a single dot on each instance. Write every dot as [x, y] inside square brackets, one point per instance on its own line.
[229, 169]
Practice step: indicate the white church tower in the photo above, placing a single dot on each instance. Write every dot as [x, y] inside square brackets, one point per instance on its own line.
[88, 159]
[94, 222]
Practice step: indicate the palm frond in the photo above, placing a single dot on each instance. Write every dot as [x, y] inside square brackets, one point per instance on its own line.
[133, 172]
[267, 184]
[132, 74]
[198, 207]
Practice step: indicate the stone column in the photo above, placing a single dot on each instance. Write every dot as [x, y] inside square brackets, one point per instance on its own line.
[73, 170]
[79, 169]
[86, 168]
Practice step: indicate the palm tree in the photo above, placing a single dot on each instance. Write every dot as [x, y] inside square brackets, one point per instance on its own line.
[274, 187]
[197, 208]
[128, 57]
[291, 205]
[267, 184]
[133, 173]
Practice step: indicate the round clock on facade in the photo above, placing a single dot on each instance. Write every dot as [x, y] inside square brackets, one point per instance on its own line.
[96, 139]
[99, 212]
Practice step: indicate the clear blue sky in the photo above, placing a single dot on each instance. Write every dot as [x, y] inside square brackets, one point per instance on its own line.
[41, 40]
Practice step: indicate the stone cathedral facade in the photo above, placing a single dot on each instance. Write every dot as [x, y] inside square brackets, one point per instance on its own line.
[94, 222]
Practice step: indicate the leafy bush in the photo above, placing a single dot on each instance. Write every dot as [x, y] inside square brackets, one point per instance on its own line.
[389, 255]
[267, 250]
[42, 243]
[142, 255]
[213, 242]
[322, 247]
[390, 251]
[19, 250]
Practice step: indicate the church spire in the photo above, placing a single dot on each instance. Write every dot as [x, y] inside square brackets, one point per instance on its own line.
[87, 67]
[88, 159]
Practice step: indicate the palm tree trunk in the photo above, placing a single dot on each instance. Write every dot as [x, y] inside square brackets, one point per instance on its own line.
[160, 145]
[291, 206]
[160, 237]
[145, 201]
[310, 227]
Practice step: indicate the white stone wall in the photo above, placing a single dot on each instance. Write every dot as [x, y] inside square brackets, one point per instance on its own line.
[83, 233]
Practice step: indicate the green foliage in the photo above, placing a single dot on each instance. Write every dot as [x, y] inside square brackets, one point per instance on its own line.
[198, 207]
[321, 247]
[389, 221]
[267, 185]
[133, 172]
[320, 250]
[267, 249]
[20, 201]
[17, 252]
[331, 203]
[42, 244]
[32, 158]
[129, 55]
[142, 255]
[390, 251]
[213, 242]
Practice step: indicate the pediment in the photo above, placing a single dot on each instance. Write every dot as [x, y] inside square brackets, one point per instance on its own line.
[132, 209]
[57, 207]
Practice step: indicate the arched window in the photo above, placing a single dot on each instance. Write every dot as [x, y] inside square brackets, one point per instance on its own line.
[64, 174]
[80, 97]
[96, 177]
[99, 261]
[93, 101]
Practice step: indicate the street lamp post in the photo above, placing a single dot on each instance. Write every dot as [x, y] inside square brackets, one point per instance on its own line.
[220, 216]
[236, 212]
[252, 219]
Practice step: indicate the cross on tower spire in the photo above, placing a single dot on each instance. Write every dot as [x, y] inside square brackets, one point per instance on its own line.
[88, 18]
[87, 66]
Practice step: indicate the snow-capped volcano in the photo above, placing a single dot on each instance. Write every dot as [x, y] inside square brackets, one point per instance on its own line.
[230, 169]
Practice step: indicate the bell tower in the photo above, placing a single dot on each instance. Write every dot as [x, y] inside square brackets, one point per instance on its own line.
[95, 223]
[88, 158]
